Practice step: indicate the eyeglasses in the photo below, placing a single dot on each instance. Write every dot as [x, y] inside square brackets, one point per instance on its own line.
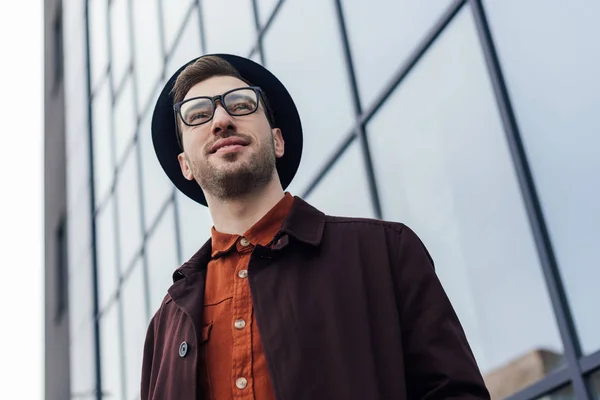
[237, 102]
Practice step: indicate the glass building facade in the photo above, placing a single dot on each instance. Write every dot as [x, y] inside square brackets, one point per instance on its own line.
[476, 123]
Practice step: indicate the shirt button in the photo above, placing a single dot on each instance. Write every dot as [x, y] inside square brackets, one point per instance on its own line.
[243, 273]
[239, 324]
[183, 348]
[244, 242]
[241, 383]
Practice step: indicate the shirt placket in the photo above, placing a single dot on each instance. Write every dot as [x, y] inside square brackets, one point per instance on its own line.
[241, 325]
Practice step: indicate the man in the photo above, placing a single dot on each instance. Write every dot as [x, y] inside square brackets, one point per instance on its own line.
[284, 302]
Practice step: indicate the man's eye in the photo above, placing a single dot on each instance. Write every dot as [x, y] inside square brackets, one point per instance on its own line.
[242, 107]
[197, 116]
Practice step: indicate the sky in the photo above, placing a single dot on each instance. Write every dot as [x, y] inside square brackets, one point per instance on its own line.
[21, 205]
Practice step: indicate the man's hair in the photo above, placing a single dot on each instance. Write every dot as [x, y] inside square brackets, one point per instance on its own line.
[202, 69]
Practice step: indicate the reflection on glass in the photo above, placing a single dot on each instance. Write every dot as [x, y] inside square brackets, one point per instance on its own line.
[107, 258]
[382, 35]
[111, 350]
[444, 169]
[195, 223]
[125, 120]
[135, 322]
[343, 190]
[310, 62]
[174, 12]
[187, 47]
[148, 51]
[229, 13]
[162, 258]
[157, 187]
[119, 35]
[265, 9]
[594, 383]
[102, 141]
[81, 309]
[565, 393]
[130, 225]
[82, 360]
[552, 76]
[98, 39]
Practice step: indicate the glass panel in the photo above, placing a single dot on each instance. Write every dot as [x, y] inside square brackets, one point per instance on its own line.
[174, 12]
[444, 169]
[110, 357]
[79, 227]
[103, 157]
[98, 39]
[107, 258]
[130, 224]
[162, 258]
[343, 190]
[565, 393]
[148, 52]
[229, 13]
[552, 76]
[81, 308]
[265, 9]
[310, 63]
[83, 362]
[187, 48]
[157, 186]
[119, 27]
[595, 384]
[135, 323]
[125, 119]
[382, 35]
[195, 223]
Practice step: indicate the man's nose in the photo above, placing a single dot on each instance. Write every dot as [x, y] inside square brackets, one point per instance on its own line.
[222, 121]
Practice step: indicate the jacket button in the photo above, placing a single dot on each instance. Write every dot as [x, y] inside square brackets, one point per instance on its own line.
[183, 348]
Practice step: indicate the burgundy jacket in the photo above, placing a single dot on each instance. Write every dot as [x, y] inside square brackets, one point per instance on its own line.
[346, 308]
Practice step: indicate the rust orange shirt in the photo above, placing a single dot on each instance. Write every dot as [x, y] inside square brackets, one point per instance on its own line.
[235, 365]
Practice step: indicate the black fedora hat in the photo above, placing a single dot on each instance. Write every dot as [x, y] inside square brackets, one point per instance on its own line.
[285, 117]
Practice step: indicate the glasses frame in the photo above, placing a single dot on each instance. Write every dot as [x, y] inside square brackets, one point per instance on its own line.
[257, 90]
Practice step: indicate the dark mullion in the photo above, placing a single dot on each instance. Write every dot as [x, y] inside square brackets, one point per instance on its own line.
[412, 60]
[202, 32]
[259, 45]
[265, 27]
[532, 203]
[550, 383]
[94, 250]
[590, 362]
[371, 180]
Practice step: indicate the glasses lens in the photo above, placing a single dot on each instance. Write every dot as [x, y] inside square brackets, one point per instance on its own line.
[241, 101]
[197, 111]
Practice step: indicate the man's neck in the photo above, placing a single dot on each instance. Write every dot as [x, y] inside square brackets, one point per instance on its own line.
[236, 216]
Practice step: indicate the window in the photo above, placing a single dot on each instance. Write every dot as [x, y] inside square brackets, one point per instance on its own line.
[57, 51]
[195, 224]
[102, 141]
[552, 77]
[148, 49]
[111, 349]
[125, 120]
[443, 167]
[310, 63]
[162, 258]
[238, 14]
[187, 47]
[174, 13]
[105, 252]
[265, 9]
[135, 323]
[82, 361]
[119, 27]
[344, 190]
[382, 35]
[130, 224]
[98, 39]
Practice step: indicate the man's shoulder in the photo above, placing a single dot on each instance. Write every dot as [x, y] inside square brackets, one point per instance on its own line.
[364, 225]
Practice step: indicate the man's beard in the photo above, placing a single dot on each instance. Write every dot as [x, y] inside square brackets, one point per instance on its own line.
[227, 182]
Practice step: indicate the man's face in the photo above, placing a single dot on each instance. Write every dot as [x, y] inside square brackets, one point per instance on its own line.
[229, 156]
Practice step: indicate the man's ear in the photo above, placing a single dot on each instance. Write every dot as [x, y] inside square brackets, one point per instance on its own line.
[278, 141]
[184, 163]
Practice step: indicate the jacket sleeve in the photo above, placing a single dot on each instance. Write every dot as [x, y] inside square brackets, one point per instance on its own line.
[147, 361]
[439, 362]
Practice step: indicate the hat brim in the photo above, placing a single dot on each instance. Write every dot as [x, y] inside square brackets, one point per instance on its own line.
[285, 116]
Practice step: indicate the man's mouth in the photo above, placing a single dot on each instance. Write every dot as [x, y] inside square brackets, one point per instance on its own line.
[228, 145]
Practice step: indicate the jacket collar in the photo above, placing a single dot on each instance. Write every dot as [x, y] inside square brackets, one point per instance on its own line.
[304, 223]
